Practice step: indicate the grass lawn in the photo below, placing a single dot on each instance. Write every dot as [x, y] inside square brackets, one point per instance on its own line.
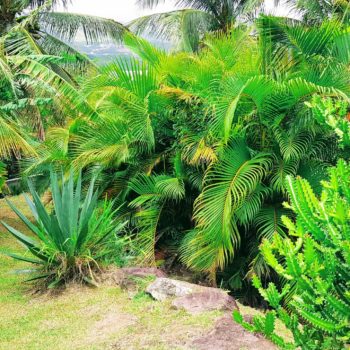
[82, 317]
[86, 318]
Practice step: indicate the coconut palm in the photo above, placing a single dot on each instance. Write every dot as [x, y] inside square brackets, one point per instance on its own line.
[51, 27]
[29, 71]
[194, 18]
[316, 11]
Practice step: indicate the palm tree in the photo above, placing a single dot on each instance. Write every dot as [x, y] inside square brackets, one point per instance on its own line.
[194, 18]
[197, 146]
[50, 30]
[316, 11]
[28, 40]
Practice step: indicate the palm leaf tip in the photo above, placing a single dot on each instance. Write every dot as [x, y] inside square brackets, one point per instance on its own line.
[66, 26]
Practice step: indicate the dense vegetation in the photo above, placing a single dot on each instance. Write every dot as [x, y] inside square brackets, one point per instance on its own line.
[193, 146]
[315, 267]
[72, 238]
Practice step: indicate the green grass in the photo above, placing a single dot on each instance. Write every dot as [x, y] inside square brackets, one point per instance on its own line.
[87, 318]
[82, 317]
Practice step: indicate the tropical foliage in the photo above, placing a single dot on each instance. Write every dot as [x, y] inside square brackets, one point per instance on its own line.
[193, 145]
[316, 11]
[196, 147]
[36, 43]
[187, 25]
[3, 174]
[68, 242]
[314, 263]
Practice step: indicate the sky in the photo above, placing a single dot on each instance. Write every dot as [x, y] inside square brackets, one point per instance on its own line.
[125, 10]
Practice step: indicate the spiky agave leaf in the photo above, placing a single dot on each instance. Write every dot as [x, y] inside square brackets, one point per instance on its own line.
[69, 240]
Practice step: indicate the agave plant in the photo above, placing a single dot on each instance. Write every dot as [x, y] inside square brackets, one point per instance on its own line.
[68, 242]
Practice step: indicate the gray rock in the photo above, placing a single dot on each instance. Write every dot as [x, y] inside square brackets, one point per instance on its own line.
[164, 288]
[209, 299]
[191, 297]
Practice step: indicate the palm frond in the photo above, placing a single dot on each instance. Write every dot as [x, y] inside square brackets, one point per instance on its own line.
[67, 95]
[269, 221]
[144, 49]
[11, 139]
[7, 78]
[104, 142]
[55, 47]
[95, 29]
[293, 146]
[228, 184]
[281, 169]
[170, 188]
[256, 88]
[247, 212]
[184, 27]
[153, 193]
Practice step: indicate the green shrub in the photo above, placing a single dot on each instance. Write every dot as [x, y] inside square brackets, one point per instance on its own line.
[3, 174]
[68, 243]
[314, 263]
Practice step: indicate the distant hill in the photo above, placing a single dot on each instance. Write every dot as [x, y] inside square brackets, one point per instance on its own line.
[107, 52]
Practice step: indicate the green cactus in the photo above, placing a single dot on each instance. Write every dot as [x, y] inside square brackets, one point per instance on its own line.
[314, 262]
[333, 113]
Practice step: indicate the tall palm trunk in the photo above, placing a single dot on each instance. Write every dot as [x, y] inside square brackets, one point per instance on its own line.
[39, 125]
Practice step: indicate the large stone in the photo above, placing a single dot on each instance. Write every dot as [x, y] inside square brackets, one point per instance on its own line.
[191, 297]
[209, 299]
[164, 288]
[228, 335]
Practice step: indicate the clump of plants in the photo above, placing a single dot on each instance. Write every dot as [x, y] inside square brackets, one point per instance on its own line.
[314, 265]
[69, 240]
[334, 114]
[3, 174]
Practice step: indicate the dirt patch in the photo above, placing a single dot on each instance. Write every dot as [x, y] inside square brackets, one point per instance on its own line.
[111, 323]
[227, 335]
